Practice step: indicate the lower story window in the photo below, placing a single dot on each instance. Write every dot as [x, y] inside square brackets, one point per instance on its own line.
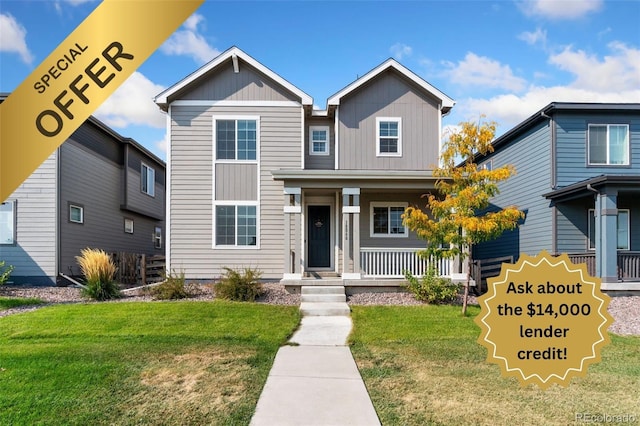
[622, 229]
[236, 225]
[157, 237]
[7, 223]
[386, 220]
[76, 213]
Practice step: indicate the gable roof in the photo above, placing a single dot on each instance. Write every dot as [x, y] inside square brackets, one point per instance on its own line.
[162, 99]
[446, 102]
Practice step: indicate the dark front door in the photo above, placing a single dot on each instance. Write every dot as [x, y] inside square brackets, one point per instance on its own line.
[319, 236]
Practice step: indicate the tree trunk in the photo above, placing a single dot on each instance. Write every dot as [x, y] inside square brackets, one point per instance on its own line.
[466, 287]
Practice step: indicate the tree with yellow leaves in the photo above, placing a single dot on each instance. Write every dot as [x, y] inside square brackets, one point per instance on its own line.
[459, 217]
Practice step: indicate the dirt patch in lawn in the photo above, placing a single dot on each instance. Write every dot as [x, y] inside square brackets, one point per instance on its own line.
[191, 387]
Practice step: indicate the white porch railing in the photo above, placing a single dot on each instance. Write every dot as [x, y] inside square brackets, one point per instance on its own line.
[392, 262]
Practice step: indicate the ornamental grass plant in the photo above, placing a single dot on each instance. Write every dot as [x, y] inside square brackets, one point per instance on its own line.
[99, 272]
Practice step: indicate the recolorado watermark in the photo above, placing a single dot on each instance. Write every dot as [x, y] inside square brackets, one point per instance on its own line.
[605, 418]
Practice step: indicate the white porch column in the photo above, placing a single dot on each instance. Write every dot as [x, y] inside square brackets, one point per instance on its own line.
[292, 205]
[351, 210]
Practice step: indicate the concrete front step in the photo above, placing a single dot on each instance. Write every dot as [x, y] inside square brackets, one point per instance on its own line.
[324, 309]
[324, 289]
[323, 298]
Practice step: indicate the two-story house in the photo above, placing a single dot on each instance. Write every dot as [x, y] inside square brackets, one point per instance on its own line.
[97, 190]
[578, 181]
[259, 178]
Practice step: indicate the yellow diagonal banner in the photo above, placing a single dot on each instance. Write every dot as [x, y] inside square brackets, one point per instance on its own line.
[83, 71]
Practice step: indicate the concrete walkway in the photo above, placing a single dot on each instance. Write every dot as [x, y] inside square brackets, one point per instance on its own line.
[317, 382]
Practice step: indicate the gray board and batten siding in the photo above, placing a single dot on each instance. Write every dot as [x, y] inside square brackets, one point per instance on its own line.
[388, 95]
[192, 190]
[33, 254]
[247, 85]
[530, 155]
[320, 162]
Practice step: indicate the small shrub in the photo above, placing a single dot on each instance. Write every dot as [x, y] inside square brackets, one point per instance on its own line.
[241, 286]
[99, 272]
[432, 288]
[171, 288]
[5, 272]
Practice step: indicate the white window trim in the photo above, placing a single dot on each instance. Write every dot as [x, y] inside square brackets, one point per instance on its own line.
[327, 140]
[236, 203]
[127, 230]
[590, 231]
[235, 117]
[388, 154]
[13, 223]
[386, 204]
[151, 189]
[608, 163]
[81, 221]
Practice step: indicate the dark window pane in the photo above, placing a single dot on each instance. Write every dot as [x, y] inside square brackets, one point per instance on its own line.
[225, 139]
[225, 225]
[380, 220]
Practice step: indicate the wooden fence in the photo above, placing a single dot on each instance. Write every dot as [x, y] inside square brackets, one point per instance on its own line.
[138, 269]
[487, 268]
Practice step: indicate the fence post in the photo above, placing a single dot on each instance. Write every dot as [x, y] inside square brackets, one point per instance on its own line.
[143, 269]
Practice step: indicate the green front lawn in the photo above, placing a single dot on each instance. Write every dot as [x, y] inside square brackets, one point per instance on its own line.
[422, 365]
[16, 302]
[172, 363]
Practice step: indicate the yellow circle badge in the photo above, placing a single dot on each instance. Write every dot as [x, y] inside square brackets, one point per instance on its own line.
[544, 320]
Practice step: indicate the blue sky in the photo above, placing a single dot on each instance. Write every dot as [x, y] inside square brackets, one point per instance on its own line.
[504, 59]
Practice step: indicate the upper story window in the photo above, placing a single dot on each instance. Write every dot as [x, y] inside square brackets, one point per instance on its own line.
[622, 230]
[608, 144]
[7, 222]
[319, 140]
[148, 177]
[76, 213]
[488, 165]
[386, 220]
[236, 139]
[388, 136]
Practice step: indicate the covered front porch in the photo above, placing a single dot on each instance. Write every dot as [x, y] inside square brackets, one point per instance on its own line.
[346, 228]
[598, 223]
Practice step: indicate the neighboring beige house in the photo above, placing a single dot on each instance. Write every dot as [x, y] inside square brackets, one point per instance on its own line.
[257, 177]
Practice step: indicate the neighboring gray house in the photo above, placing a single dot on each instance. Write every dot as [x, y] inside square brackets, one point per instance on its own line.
[578, 182]
[259, 178]
[98, 190]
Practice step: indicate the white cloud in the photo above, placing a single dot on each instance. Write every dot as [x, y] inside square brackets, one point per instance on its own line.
[162, 145]
[13, 38]
[618, 71]
[560, 9]
[613, 78]
[477, 70]
[400, 50]
[132, 103]
[532, 38]
[189, 42]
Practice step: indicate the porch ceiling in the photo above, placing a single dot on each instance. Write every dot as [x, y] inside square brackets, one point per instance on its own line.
[379, 179]
[581, 189]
